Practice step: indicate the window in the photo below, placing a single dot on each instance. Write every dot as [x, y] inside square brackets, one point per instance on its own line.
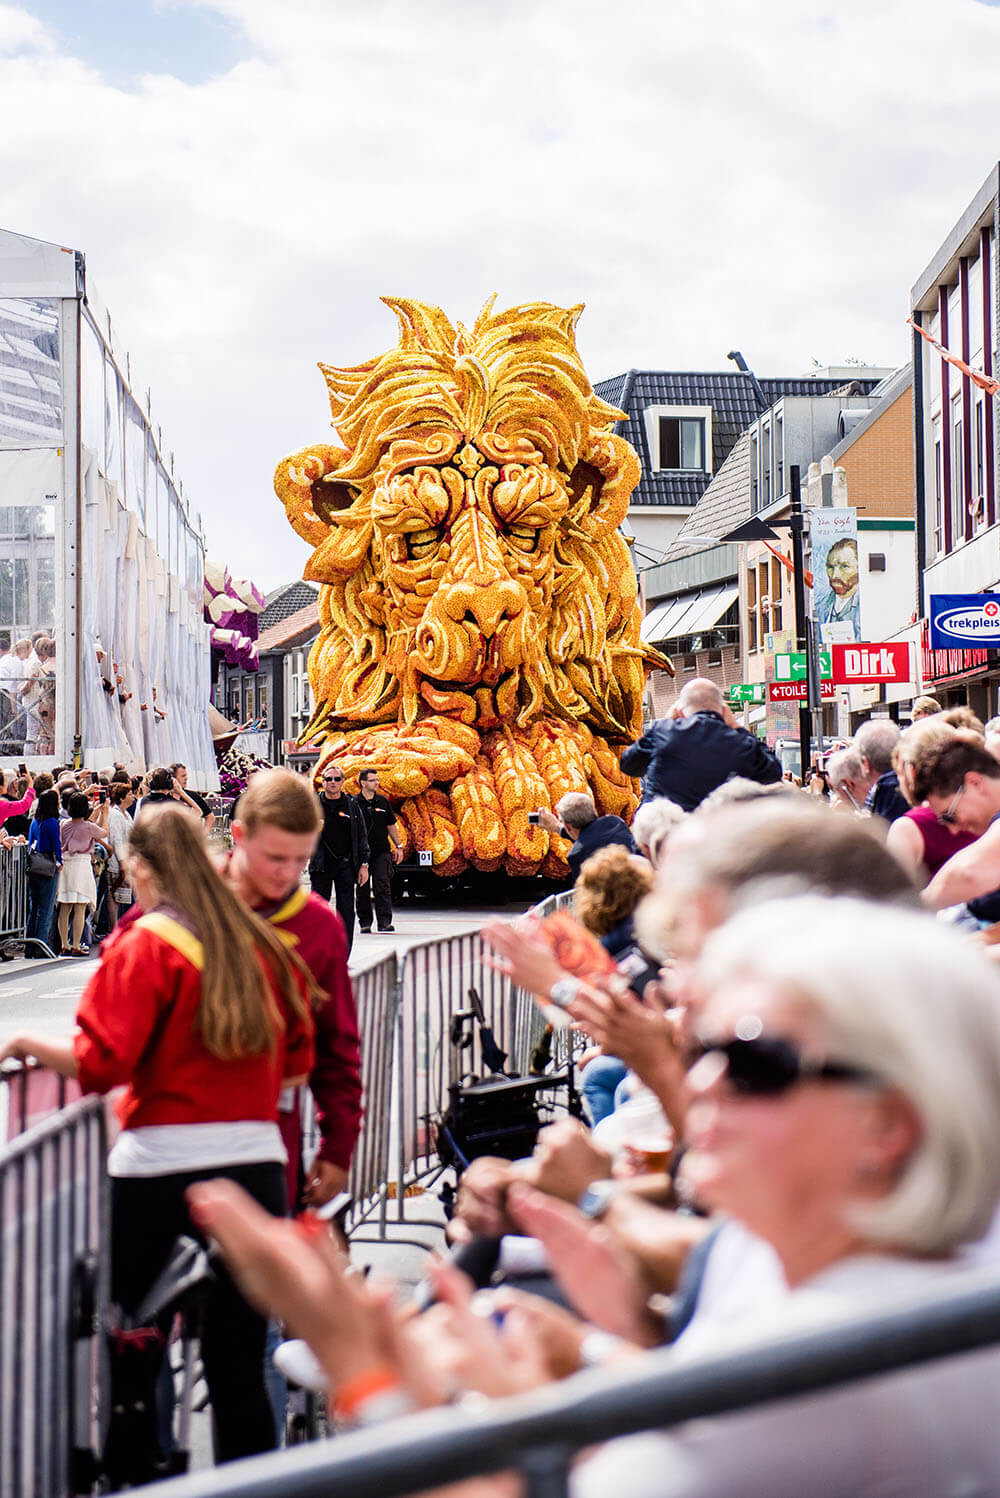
[682, 442]
[248, 699]
[233, 702]
[754, 479]
[763, 595]
[957, 473]
[779, 456]
[751, 608]
[938, 499]
[980, 450]
[765, 466]
[263, 695]
[776, 586]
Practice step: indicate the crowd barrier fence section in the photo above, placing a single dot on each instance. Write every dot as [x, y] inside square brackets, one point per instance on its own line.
[29, 1093]
[439, 1042]
[53, 1258]
[540, 1433]
[376, 992]
[13, 894]
[376, 999]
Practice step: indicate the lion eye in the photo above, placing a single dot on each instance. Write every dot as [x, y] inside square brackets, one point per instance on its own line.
[523, 538]
[422, 543]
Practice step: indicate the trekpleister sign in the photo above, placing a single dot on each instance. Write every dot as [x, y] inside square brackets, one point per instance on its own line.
[856, 665]
[964, 621]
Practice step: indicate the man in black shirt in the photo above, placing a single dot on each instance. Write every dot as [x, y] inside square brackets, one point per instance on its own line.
[341, 859]
[385, 845]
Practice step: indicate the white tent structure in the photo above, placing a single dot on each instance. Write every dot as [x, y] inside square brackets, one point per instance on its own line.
[98, 549]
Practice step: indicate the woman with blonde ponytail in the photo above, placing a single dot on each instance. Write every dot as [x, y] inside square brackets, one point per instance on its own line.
[203, 1013]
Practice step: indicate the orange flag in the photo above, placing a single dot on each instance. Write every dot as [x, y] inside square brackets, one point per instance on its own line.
[984, 381]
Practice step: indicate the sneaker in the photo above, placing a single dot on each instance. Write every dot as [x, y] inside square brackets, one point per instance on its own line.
[386, 930]
[365, 930]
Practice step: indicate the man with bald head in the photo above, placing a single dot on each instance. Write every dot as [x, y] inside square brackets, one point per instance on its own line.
[699, 746]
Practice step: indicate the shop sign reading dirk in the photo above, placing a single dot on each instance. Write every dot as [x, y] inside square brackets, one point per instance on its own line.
[856, 665]
[795, 691]
[965, 620]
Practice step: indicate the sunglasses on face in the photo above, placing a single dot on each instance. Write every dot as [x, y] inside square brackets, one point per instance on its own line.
[767, 1066]
[947, 818]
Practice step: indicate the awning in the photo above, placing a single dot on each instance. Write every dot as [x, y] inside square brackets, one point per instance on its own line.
[689, 615]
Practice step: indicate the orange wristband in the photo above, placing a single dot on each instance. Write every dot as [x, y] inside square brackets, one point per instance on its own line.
[357, 1391]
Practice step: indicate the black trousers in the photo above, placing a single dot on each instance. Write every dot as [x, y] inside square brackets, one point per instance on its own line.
[148, 1213]
[338, 878]
[380, 885]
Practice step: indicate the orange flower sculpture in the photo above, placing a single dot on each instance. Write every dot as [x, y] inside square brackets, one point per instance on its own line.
[479, 641]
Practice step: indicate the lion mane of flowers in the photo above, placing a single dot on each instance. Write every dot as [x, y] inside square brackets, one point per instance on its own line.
[479, 624]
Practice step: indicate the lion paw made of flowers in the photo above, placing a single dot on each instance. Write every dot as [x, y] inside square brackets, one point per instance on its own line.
[479, 624]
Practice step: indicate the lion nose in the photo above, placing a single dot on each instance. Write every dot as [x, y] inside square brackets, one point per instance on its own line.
[485, 601]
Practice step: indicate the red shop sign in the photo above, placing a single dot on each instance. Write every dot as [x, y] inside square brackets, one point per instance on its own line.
[855, 665]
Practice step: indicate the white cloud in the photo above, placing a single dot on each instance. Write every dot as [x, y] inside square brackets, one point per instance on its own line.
[770, 176]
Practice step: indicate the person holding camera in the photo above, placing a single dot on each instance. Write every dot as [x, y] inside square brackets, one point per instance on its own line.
[576, 818]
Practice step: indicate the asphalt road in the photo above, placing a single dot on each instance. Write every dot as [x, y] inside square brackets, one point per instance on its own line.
[42, 995]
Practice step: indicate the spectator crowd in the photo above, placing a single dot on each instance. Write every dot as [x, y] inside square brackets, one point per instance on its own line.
[788, 1000]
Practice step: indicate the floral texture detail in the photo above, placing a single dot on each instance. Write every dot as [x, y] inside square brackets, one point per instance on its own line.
[479, 624]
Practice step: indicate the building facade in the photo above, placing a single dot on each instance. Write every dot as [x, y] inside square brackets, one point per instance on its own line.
[956, 439]
[858, 431]
[684, 425]
[271, 703]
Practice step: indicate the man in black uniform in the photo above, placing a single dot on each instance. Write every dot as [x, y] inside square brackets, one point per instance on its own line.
[341, 859]
[385, 846]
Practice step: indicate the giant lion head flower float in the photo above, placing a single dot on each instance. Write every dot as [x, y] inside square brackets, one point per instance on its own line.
[479, 639]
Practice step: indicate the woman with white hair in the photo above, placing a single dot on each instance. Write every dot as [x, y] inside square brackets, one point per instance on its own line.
[844, 1115]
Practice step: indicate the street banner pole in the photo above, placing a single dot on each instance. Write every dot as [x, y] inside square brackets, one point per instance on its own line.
[802, 640]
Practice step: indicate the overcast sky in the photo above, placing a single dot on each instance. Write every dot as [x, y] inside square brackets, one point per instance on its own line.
[247, 177]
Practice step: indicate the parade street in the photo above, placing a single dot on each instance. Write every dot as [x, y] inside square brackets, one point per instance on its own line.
[43, 995]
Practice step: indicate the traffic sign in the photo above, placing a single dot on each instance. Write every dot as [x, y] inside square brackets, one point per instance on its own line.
[795, 691]
[855, 664]
[745, 691]
[792, 667]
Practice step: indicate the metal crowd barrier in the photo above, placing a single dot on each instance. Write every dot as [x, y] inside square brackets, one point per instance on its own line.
[222, 810]
[435, 979]
[376, 997]
[13, 895]
[540, 1433]
[53, 1258]
[29, 1093]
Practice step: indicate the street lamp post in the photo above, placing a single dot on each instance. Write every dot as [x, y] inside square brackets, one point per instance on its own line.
[803, 635]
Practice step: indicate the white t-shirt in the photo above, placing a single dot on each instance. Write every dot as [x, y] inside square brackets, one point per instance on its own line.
[164, 1149]
[926, 1432]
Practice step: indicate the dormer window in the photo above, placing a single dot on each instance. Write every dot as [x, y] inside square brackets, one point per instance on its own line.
[682, 442]
[680, 438]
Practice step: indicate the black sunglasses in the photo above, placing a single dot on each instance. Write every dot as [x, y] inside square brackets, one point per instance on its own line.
[767, 1066]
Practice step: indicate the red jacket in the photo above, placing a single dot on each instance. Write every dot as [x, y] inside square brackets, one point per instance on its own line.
[137, 1025]
[314, 931]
